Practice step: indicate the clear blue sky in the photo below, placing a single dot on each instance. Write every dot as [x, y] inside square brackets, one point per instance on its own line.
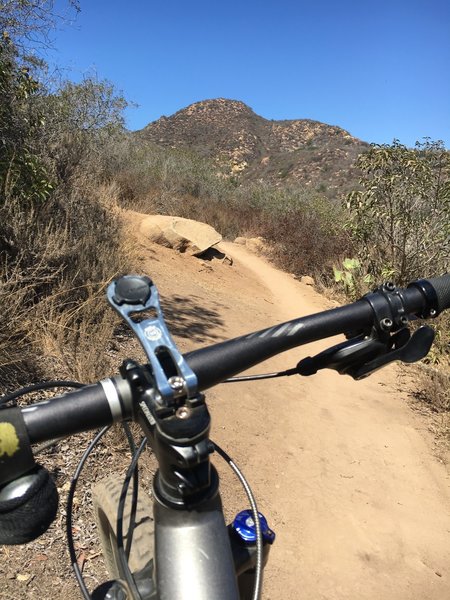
[380, 69]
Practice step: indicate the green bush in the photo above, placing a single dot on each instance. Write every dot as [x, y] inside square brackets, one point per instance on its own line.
[400, 218]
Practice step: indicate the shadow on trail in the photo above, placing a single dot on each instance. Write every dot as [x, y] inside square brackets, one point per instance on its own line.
[188, 318]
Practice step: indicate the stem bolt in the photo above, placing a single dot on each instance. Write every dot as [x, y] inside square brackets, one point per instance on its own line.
[183, 412]
[178, 385]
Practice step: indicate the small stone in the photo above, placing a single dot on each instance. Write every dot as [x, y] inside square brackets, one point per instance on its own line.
[307, 280]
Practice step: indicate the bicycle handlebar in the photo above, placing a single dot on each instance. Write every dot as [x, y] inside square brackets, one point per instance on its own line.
[220, 361]
[103, 403]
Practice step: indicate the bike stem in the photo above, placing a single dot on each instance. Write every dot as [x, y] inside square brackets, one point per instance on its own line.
[179, 437]
[189, 523]
[166, 402]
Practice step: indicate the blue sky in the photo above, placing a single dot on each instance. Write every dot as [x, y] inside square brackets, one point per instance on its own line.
[379, 69]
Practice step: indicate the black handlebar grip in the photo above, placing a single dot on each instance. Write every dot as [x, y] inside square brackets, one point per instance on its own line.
[441, 286]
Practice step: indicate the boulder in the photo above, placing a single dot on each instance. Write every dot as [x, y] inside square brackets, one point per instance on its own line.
[183, 235]
[217, 253]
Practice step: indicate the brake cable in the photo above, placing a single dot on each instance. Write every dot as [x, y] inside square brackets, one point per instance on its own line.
[123, 554]
[251, 498]
[70, 497]
[286, 373]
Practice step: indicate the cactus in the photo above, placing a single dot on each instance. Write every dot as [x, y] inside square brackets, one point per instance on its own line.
[350, 276]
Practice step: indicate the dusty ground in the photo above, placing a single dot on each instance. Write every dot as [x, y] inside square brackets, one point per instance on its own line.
[345, 472]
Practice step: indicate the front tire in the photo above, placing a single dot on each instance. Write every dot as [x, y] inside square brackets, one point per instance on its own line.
[105, 499]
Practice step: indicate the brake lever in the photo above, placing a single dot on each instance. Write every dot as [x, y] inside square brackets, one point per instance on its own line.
[342, 357]
[416, 348]
[361, 356]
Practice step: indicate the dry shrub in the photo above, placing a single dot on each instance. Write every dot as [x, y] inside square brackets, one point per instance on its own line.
[76, 340]
[229, 219]
[16, 342]
[441, 355]
[434, 382]
[60, 257]
[149, 176]
[28, 271]
[303, 242]
[77, 323]
[434, 388]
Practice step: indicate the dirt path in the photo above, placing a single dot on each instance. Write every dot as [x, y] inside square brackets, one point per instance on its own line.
[344, 471]
[360, 505]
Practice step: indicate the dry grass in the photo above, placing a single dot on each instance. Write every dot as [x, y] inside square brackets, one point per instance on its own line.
[53, 277]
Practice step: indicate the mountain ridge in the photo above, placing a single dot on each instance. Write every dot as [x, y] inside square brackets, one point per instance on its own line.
[247, 146]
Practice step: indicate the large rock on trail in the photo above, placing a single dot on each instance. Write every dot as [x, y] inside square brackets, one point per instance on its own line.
[184, 235]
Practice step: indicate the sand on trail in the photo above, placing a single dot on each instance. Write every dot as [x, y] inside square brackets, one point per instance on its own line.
[343, 470]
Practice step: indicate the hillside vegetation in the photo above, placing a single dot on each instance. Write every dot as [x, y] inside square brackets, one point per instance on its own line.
[312, 191]
[59, 243]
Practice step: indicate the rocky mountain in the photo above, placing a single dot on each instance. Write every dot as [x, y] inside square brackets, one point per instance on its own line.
[249, 147]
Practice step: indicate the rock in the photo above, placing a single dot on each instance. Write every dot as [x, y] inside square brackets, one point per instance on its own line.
[205, 266]
[307, 280]
[183, 235]
[241, 241]
[258, 245]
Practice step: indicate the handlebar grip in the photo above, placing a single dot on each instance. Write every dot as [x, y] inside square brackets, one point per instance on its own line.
[441, 286]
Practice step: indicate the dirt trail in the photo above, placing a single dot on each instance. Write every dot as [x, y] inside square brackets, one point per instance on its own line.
[363, 506]
[343, 470]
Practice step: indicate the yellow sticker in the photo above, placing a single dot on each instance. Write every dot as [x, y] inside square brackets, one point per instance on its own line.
[9, 442]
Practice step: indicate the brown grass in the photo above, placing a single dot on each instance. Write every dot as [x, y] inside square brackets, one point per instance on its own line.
[53, 277]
